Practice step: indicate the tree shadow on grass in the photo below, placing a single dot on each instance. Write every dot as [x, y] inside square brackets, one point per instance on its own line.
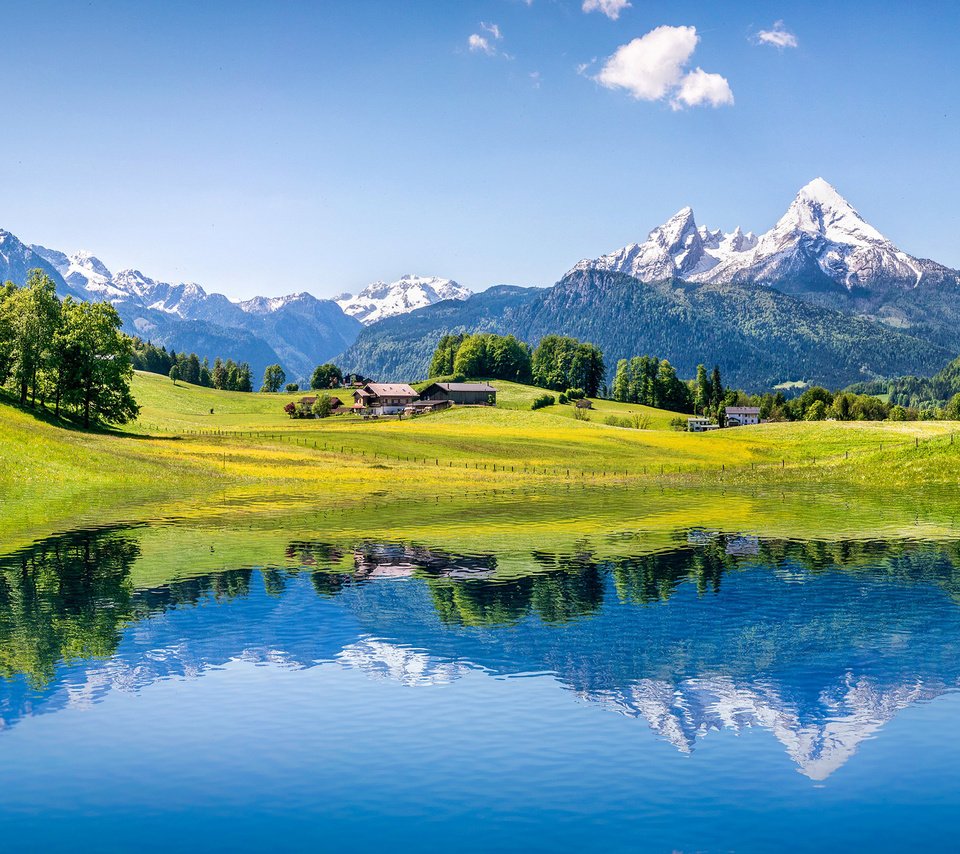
[66, 421]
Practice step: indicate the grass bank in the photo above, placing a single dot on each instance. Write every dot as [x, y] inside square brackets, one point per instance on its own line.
[242, 449]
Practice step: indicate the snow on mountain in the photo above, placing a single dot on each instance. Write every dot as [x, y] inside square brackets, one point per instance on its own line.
[819, 740]
[821, 240]
[269, 305]
[299, 331]
[382, 299]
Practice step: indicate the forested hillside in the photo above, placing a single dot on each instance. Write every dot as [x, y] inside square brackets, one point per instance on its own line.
[758, 336]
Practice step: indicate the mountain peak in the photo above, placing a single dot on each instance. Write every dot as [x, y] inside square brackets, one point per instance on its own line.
[821, 237]
[382, 299]
[822, 191]
[87, 261]
[820, 210]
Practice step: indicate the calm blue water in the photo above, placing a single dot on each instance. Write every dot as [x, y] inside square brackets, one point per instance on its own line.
[725, 694]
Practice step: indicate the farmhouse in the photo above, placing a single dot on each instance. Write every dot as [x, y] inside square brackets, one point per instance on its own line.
[383, 398]
[308, 401]
[474, 394]
[701, 425]
[740, 416]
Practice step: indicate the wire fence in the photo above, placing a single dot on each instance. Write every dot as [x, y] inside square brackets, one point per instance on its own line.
[661, 469]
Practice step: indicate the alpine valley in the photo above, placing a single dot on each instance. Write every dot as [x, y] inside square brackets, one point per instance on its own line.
[821, 297]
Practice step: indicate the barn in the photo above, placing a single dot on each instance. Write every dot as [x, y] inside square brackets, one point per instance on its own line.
[464, 394]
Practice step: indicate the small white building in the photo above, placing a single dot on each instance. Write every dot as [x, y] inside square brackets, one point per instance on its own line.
[741, 416]
[701, 425]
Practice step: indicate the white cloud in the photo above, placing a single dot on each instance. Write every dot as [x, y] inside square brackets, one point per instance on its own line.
[653, 68]
[698, 88]
[610, 8]
[778, 36]
[535, 79]
[478, 44]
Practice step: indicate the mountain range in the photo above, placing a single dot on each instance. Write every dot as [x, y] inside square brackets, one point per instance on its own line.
[821, 297]
[297, 331]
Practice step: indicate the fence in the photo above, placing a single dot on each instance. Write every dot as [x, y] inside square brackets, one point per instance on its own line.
[658, 469]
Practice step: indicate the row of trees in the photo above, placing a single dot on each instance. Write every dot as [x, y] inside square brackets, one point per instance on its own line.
[819, 404]
[500, 357]
[70, 355]
[557, 363]
[225, 375]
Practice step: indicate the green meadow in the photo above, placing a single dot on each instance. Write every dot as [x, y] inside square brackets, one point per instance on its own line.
[195, 451]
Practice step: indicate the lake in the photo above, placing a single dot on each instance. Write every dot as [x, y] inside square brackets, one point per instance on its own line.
[587, 670]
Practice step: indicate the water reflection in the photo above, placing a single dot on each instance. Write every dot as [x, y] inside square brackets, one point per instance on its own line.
[820, 643]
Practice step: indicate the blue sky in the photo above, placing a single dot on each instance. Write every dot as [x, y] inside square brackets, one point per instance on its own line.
[283, 146]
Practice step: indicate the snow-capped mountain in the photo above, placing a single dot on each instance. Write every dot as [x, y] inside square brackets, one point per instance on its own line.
[383, 299]
[820, 243]
[299, 331]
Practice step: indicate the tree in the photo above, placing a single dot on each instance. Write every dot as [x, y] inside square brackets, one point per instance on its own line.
[621, 382]
[31, 315]
[817, 411]
[441, 363]
[897, 413]
[98, 361]
[716, 390]
[6, 332]
[671, 392]
[322, 406]
[244, 378]
[273, 379]
[219, 376]
[190, 369]
[951, 411]
[175, 373]
[293, 387]
[327, 375]
[471, 359]
[701, 391]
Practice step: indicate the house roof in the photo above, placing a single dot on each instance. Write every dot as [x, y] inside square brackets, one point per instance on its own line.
[743, 410]
[481, 387]
[389, 390]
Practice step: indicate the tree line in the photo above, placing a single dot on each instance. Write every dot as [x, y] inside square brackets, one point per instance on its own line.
[225, 375]
[67, 355]
[557, 363]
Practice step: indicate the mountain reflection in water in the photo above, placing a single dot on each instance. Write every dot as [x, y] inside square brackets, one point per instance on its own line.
[819, 643]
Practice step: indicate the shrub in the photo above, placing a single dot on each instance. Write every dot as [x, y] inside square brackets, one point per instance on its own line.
[678, 423]
[898, 413]
[575, 394]
[562, 398]
[291, 409]
[293, 387]
[542, 401]
[581, 415]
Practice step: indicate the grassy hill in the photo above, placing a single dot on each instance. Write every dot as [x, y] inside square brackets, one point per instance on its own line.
[250, 455]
